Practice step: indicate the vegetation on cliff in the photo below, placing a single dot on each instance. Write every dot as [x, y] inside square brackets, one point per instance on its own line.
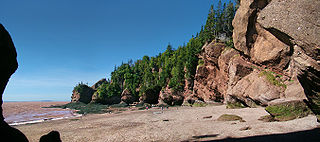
[150, 75]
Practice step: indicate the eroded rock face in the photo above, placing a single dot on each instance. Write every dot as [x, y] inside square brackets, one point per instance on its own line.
[84, 95]
[267, 49]
[276, 57]
[281, 40]
[127, 97]
[297, 19]
[255, 87]
[211, 78]
[169, 97]
[244, 32]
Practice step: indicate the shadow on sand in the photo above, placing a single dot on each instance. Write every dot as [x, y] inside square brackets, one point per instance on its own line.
[300, 136]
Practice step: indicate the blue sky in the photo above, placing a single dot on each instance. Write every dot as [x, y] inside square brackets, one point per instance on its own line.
[62, 42]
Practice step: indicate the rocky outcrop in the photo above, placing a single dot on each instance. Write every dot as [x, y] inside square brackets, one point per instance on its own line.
[296, 20]
[82, 93]
[127, 97]
[9, 64]
[8, 60]
[168, 96]
[206, 82]
[85, 94]
[254, 89]
[211, 78]
[276, 56]
[280, 39]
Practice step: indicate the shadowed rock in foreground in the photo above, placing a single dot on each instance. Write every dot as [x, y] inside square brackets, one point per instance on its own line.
[9, 64]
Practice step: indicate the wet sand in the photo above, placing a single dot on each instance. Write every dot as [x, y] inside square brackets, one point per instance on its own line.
[173, 124]
[24, 112]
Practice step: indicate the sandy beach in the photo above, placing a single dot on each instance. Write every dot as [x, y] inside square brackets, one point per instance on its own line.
[173, 124]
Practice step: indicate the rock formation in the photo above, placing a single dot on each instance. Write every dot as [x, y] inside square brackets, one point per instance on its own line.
[82, 93]
[9, 65]
[127, 97]
[53, 136]
[168, 97]
[276, 56]
[211, 78]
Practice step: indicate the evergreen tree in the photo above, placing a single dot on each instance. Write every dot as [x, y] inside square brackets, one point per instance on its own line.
[210, 27]
[230, 12]
[172, 67]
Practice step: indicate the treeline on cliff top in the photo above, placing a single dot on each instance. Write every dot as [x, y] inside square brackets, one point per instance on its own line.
[172, 67]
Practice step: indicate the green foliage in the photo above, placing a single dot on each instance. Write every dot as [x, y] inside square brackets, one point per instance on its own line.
[271, 77]
[84, 108]
[199, 104]
[200, 62]
[267, 118]
[107, 91]
[81, 87]
[229, 43]
[172, 67]
[219, 21]
[229, 117]
[285, 112]
[121, 105]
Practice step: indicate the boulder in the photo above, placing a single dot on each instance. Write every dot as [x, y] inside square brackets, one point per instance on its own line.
[284, 110]
[238, 69]
[255, 88]
[269, 50]
[294, 90]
